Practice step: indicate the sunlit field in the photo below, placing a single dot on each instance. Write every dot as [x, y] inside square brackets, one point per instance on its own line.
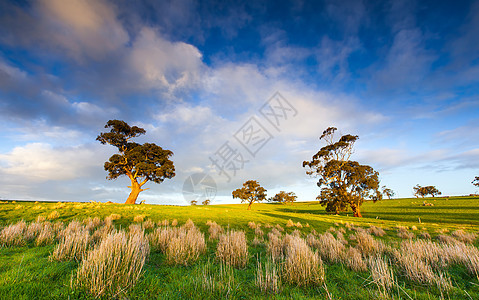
[400, 249]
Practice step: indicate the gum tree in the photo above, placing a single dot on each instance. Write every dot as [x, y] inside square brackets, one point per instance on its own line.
[388, 192]
[251, 192]
[476, 181]
[344, 183]
[283, 197]
[141, 163]
[425, 190]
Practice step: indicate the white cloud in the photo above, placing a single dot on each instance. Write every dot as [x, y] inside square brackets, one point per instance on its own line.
[85, 28]
[164, 64]
[42, 162]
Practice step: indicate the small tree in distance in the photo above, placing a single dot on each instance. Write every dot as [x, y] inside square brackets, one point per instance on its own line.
[193, 202]
[283, 197]
[388, 192]
[250, 192]
[423, 191]
[141, 163]
[476, 181]
[206, 202]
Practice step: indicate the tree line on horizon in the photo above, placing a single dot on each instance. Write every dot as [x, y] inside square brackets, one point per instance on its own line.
[344, 184]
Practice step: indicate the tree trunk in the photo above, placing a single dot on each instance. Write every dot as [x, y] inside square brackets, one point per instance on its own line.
[356, 211]
[135, 191]
[249, 206]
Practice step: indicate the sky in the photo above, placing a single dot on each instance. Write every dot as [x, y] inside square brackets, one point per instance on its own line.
[246, 86]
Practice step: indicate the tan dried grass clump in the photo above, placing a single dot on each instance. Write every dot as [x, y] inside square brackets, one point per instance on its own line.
[165, 222]
[33, 230]
[279, 228]
[72, 246]
[189, 224]
[252, 225]
[139, 218]
[377, 231]
[113, 267]
[103, 231]
[12, 235]
[275, 245]
[160, 238]
[329, 248]
[258, 231]
[148, 224]
[381, 274]
[40, 218]
[302, 266]
[267, 277]
[425, 235]
[214, 231]
[290, 223]
[46, 235]
[298, 225]
[186, 247]
[354, 260]
[232, 248]
[218, 282]
[367, 245]
[267, 225]
[404, 233]
[446, 239]
[465, 237]
[257, 241]
[114, 217]
[174, 222]
[92, 223]
[53, 215]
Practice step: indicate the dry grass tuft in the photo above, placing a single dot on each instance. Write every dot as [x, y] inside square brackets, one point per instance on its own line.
[161, 237]
[12, 235]
[214, 231]
[92, 223]
[114, 217]
[377, 231]
[329, 248]
[73, 245]
[53, 215]
[232, 248]
[214, 282]
[252, 225]
[268, 280]
[465, 237]
[139, 218]
[148, 224]
[446, 239]
[275, 245]
[404, 233]
[189, 224]
[186, 247]
[33, 230]
[174, 222]
[302, 266]
[354, 260]
[46, 235]
[267, 225]
[290, 223]
[113, 267]
[298, 225]
[258, 231]
[40, 219]
[257, 241]
[279, 228]
[381, 274]
[425, 235]
[165, 222]
[367, 245]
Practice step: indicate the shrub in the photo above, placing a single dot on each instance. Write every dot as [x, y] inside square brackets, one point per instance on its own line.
[53, 215]
[302, 266]
[12, 235]
[268, 280]
[72, 246]
[186, 247]
[232, 248]
[113, 267]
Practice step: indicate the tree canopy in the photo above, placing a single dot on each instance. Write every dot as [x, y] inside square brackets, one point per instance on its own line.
[423, 191]
[139, 162]
[388, 192]
[344, 183]
[476, 181]
[283, 197]
[251, 192]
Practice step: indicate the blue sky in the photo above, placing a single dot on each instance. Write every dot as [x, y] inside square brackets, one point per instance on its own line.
[403, 75]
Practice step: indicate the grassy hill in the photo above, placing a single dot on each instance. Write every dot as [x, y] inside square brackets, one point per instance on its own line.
[27, 270]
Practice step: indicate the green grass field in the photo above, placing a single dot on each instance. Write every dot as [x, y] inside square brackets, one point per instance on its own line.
[27, 273]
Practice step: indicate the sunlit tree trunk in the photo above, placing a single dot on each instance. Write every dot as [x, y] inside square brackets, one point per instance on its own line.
[135, 191]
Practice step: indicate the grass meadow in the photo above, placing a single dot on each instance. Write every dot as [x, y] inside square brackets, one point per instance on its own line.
[400, 249]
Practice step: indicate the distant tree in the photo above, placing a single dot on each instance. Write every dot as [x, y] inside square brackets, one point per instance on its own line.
[250, 192]
[343, 182]
[140, 162]
[193, 202]
[422, 191]
[283, 197]
[476, 181]
[388, 192]
[206, 202]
